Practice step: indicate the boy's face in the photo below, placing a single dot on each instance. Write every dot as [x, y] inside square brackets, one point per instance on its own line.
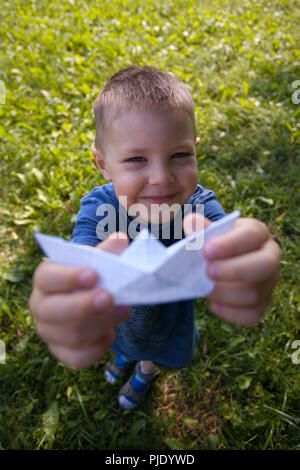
[151, 158]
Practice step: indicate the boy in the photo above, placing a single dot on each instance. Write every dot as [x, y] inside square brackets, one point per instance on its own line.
[145, 147]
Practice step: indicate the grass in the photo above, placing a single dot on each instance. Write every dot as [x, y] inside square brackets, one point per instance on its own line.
[239, 60]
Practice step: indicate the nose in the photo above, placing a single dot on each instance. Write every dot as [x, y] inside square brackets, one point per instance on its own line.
[160, 174]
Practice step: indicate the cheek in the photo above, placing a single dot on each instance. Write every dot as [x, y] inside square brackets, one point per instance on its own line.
[189, 175]
[128, 184]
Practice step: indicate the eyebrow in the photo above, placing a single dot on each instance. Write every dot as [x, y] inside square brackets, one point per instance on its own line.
[135, 149]
[141, 150]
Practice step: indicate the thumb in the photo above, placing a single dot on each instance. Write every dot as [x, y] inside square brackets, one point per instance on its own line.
[194, 223]
[115, 243]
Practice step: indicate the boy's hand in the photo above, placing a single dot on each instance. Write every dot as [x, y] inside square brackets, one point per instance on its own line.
[77, 331]
[244, 263]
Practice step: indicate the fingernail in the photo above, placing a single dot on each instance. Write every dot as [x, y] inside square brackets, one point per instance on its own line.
[101, 301]
[211, 251]
[213, 271]
[86, 278]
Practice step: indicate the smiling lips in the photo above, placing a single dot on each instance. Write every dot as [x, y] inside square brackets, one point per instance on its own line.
[159, 198]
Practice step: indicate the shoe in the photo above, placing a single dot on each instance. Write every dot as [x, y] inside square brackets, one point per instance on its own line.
[129, 398]
[112, 372]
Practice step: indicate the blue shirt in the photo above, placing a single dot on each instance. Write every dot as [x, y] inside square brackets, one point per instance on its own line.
[166, 333]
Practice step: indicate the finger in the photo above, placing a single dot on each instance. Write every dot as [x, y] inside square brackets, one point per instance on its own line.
[255, 266]
[242, 294]
[74, 308]
[193, 223]
[116, 243]
[247, 235]
[77, 335]
[240, 316]
[85, 357]
[51, 277]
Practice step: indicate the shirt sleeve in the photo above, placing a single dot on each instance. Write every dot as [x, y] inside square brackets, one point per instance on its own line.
[85, 228]
[212, 208]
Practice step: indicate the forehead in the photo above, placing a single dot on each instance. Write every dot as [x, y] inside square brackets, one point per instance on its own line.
[141, 129]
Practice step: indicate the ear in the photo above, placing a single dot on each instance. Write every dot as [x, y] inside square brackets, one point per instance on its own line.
[101, 164]
[197, 141]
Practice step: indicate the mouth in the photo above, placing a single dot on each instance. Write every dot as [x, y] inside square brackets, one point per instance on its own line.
[159, 198]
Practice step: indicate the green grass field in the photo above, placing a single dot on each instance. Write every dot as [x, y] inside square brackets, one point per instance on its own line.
[239, 60]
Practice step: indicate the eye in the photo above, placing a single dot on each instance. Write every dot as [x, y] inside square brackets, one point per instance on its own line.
[181, 155]
[135, 159]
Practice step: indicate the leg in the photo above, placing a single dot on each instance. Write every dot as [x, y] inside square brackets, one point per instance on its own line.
[147, 366]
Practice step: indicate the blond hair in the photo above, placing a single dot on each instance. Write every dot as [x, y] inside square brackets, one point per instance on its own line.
[142, 87]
